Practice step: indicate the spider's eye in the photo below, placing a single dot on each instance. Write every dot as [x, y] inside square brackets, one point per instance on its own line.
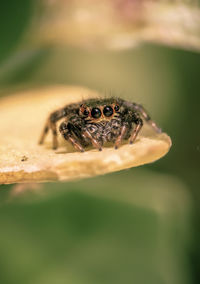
[86, 112]
[107, 111]
[96, 112]
[116, 108]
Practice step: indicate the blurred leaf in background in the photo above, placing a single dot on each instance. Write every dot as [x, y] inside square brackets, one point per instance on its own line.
[125, 227]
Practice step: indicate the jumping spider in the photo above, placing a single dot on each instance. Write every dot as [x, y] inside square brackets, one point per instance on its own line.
[96, 121]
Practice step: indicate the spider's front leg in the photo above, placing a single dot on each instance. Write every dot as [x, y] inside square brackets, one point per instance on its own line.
[66, 129]
[87, 135]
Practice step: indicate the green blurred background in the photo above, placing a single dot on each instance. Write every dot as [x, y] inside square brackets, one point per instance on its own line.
[135, 226]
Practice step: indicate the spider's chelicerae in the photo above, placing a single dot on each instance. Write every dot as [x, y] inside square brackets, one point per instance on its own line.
[96, 121]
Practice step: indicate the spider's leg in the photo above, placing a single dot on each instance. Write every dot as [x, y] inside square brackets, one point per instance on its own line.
[139, 123]
[54, 132]
[67, 133]
[120, 137]
[44, 133]
[139, 108]
[95, 143]
[51, 124]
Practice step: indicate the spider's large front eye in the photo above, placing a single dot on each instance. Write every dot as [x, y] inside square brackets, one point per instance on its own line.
[96, 112]
[107, 111]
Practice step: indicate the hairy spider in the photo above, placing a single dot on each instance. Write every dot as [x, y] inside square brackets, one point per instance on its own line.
[96, 121]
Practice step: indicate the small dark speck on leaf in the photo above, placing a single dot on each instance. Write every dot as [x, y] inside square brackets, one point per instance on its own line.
[24, 158]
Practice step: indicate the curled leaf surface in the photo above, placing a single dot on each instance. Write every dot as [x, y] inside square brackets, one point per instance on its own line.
[22, 117]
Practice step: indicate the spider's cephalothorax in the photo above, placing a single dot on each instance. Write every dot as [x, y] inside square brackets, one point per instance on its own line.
[96, 121]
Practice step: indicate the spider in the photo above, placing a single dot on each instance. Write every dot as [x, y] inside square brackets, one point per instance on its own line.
[97, 121]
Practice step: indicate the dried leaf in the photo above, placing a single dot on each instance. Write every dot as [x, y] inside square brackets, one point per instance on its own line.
[22, 116]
